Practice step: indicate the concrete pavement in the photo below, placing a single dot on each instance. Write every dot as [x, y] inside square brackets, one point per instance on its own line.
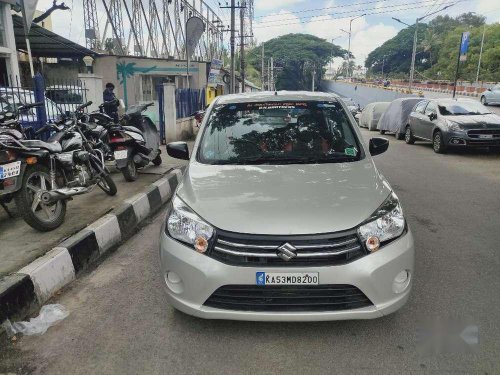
[120, 322]
[20, 244]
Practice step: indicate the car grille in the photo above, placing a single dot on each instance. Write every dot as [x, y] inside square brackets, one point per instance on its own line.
[288, 298]
[262, 250]
[477, 133]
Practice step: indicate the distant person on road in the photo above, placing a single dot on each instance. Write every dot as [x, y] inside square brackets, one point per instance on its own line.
[111, 102]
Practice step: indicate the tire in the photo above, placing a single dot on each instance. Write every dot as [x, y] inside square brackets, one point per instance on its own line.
[409, 138]
[43, 218]
[483, 100]
[399, 136]
[437, 143]
[157, 161]
[108, 185]
[130, 171]
[382, 131]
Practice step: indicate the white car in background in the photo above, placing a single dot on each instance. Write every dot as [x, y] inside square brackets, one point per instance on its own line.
[491, 96]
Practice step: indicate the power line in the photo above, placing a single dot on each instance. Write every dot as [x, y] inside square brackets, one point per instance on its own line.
[357, 11]
[349, 16]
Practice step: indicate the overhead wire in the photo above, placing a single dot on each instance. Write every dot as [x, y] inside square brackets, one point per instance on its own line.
[378, 8]
[355, 13]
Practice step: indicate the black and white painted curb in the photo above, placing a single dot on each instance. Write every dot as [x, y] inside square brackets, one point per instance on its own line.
[33, 285]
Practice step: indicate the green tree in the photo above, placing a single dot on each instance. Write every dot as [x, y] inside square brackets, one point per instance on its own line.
[297, 56]
[430, 42]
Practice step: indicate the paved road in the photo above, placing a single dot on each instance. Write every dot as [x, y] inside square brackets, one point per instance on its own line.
[120, 322]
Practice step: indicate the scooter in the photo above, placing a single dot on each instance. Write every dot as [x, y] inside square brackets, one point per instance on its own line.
[135, 142]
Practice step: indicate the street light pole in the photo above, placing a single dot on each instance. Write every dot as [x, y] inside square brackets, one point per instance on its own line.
[480, 54]
[349, 48]
[414, 53]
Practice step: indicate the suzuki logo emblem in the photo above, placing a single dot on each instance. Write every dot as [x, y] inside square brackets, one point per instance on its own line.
[286, 251]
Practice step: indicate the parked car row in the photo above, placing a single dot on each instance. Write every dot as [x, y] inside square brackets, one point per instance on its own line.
[41, 176]
[447, 123]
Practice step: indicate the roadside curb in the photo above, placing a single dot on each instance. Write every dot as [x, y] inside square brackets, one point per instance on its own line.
[30, 287]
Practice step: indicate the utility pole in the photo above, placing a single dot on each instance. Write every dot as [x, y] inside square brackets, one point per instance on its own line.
[349, 48]
[231, 84]
[313, 75]
[262, 68]
[272, 74]
[480, 54]
[414, 53]
[269, 74]
[233, 7]
[242, 46]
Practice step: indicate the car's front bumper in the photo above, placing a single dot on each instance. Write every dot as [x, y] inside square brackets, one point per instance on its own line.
[201, 275]
[462, 139]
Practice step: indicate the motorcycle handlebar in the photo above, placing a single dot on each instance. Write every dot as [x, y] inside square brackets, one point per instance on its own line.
[42, 129]
[30, 105]
[85, 105]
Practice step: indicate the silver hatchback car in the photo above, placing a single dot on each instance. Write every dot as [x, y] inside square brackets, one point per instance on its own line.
[281, 215]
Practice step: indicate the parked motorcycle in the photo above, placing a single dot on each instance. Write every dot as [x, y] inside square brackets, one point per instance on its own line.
[42, 176]
[135, 142]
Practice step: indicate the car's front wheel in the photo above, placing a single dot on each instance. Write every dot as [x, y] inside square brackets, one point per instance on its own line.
[409, 138]
[437, 143]
[483, 100]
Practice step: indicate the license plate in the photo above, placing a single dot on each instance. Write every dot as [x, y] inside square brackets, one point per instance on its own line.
[10, 170]
[287, 278]
[486, 136]
[121, 154]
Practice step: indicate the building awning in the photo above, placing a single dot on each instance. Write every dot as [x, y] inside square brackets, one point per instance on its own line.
[45, 43]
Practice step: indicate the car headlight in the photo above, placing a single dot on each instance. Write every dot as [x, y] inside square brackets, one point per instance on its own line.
[184, 225]
[385, 224]
[454, 126]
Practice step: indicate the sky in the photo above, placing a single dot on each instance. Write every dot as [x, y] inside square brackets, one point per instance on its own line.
[323, 18]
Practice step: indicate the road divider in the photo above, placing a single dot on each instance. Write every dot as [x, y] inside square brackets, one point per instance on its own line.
[27, 290]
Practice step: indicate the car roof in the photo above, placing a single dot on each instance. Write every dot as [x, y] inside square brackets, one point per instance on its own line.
[451, 100]
[274, 96]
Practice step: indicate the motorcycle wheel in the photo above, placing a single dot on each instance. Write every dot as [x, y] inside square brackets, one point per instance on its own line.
[108, 185]
[130, 171]
[157, 161]
[39, 216]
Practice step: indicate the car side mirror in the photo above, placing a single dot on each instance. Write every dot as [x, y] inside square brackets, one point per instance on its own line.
[488, 90]
[378, 145]
[178, 150]
[432, 116]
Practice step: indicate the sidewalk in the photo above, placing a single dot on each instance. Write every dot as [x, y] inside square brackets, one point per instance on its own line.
[21, 244]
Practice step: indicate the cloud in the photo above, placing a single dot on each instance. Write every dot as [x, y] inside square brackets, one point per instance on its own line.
[274, 4]
[366, 40]
[265, 33]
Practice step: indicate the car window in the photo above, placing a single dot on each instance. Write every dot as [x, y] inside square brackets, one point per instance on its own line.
[496, 88]
[420, 107]
[431, 108]
[455, 108]
[278, 133]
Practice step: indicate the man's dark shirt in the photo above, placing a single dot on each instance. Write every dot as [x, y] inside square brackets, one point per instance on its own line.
[111, 109]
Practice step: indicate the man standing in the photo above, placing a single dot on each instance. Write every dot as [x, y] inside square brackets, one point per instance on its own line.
[110, 101]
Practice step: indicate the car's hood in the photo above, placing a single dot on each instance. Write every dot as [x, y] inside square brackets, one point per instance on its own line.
[284, 199]
[476, 121]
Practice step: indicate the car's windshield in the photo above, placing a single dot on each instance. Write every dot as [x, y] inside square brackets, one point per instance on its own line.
[278, 133]
[462, 108]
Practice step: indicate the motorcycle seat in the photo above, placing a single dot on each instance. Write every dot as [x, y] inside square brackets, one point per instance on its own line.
[53, 147]
[132, 129]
